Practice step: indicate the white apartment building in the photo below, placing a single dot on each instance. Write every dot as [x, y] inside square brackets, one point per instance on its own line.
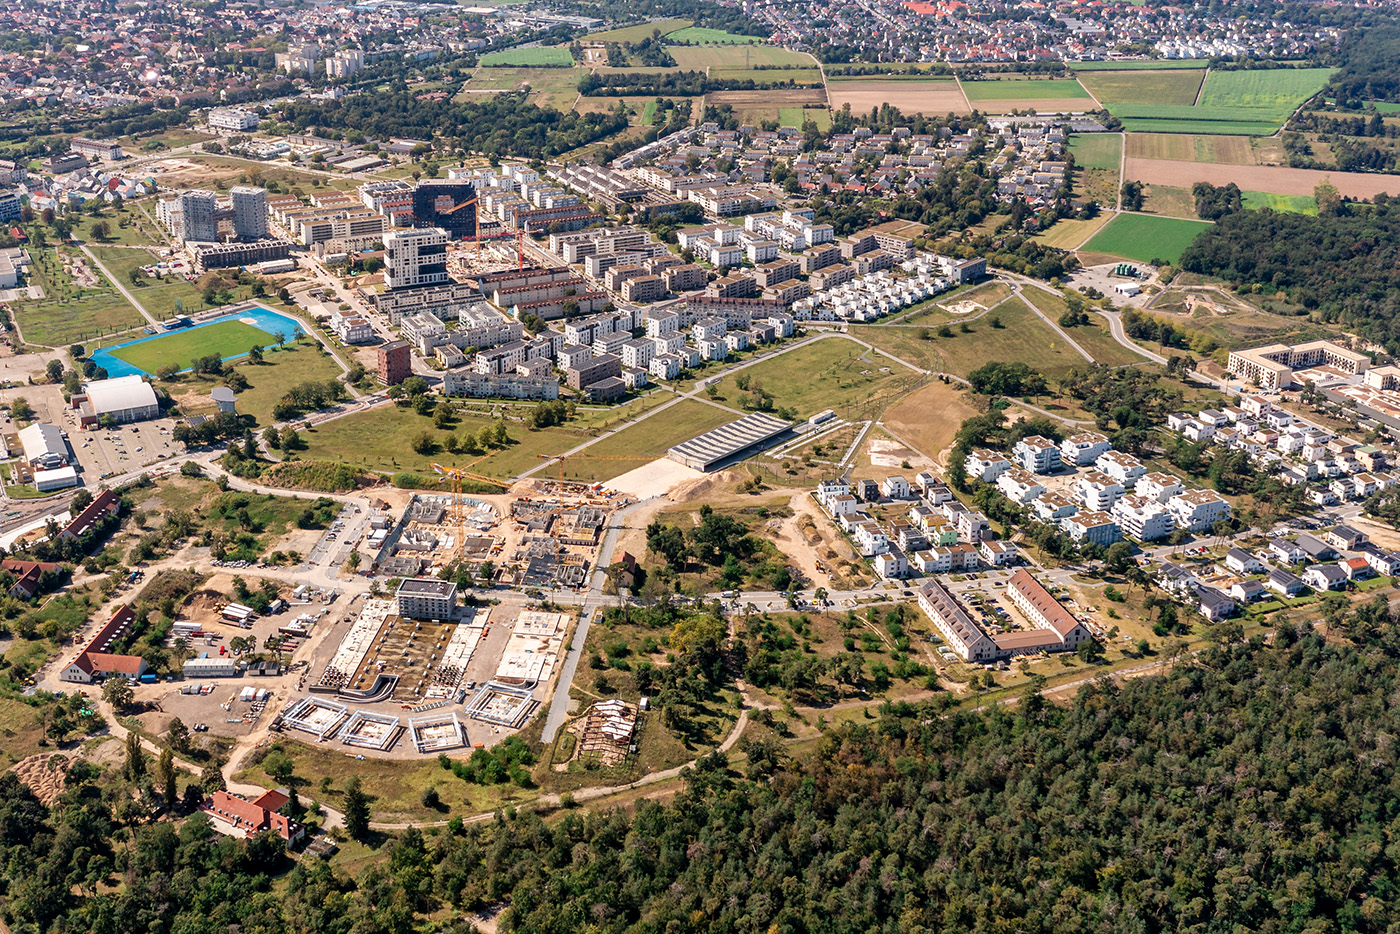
[1158, 486]
[1020, 486]
[986, 465]
[1124, 468]
[1095, 527]
[1098, 491]
[1083, 448]
[1142, 518]
[232, 120]
[1037, 454]
[197, 216]
[249, 212]
[414, 258]
[1198, 510]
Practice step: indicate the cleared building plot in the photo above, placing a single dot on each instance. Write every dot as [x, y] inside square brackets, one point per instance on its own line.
[539, 624]
[713, 449]
[316, 715]
[911, 96]
[371, 730]
[500, 704]
[351, 651]
[437, 733]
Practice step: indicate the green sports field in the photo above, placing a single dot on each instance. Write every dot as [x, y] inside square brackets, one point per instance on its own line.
[558, 58]
[1022, 90]
[1144, 238]
[227, 339]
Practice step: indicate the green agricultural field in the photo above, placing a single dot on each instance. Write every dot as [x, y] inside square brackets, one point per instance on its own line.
[532, 56]
[1385, 107]
[1026, 89]
[1135, 66]
[798, 117]
[639, 32]
[1143, 238]
[711, 36]
[1143, 87]
[226, 338]
[1293, 204]
[1097, 150]
[802, 76]
[1237, 103]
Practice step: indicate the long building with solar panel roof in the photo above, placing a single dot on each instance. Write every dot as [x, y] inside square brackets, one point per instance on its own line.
[730, 442]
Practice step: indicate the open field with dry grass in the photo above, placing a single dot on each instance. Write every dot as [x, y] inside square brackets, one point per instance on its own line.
[1068, 234]
[910, 96]
[755, 106]
[1269, 178]
[930, 416]
[1185, 147]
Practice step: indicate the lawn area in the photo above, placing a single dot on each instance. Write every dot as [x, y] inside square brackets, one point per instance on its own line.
[640, 31]
[1144, 87]
[1068, 234]
[67, 313]
[127, 226]
[1143, 238]
[1169, 201]
[798, 117]
[1097, 150]
[1294, 204]
[825, 374]
[644, 442]
[1010, 89]
[268, 382]
[1093, 337]
[395, 786]
[536, 56]
[710, 36]
[164, 297]
[226, 338]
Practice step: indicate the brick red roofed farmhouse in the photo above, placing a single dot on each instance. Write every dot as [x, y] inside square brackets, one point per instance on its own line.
[102, 506]
[27, 574]
[236, 817]
[95, 661]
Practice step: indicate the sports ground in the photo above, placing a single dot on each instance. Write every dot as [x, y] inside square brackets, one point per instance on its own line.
[230, 337]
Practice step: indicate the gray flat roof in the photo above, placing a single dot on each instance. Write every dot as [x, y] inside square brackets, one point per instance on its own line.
[704, 451]
[426, 585]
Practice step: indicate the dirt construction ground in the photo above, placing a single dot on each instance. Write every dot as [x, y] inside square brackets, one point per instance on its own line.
[1271, 178]
[929, 417]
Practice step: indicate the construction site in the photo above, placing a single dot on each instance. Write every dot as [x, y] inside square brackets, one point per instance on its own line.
[436, 531]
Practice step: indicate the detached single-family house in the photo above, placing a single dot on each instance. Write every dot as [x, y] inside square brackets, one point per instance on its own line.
[1242, 562]
[1284, 583]
[1323, 577]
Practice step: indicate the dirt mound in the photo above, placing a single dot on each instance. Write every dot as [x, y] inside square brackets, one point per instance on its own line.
[704, 487]
[204, 601]
[44, 773]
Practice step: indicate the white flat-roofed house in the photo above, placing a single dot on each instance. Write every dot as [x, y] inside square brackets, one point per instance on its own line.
[1143, 519]
[1198, 510]
[665, 366]
[1037, 454]
[1158, 486]
[1098, 491]
[971, 525]
[829, 488]
[1213, 417]
[891, 565]
[986, 465]
[1095, 527]
[998, 554]
[1124, 468]
[1020, 486]
[895, 487]
[1197, 430]
[871, 539]
[1084, 448]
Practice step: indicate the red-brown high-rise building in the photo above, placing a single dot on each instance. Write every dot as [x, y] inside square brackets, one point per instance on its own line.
[395, 363]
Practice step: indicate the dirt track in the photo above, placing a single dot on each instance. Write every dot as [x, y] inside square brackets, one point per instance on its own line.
[1269, 178]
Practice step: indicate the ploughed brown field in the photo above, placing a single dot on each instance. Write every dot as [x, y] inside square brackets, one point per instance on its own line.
[927, 97]
[1271, 178]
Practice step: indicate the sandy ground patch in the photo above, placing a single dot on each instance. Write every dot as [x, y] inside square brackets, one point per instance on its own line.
[929, 97]
[886, 453]
[658, 478]
[43, 773]
[929, 417]
[1271, 178]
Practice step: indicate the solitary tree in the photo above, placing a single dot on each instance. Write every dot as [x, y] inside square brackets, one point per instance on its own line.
[118, 693]
[356, 810]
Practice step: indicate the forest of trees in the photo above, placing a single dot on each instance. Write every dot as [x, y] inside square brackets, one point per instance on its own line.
[1345, 265]
[495, 124]
[1251, 789]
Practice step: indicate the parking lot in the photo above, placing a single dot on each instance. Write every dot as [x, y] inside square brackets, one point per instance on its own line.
[101, 452]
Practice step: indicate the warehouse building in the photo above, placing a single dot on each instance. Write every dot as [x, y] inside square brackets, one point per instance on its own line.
[730, 442]
[125, 399]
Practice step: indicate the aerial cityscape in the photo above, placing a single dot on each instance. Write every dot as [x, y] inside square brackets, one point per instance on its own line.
[689, 465]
